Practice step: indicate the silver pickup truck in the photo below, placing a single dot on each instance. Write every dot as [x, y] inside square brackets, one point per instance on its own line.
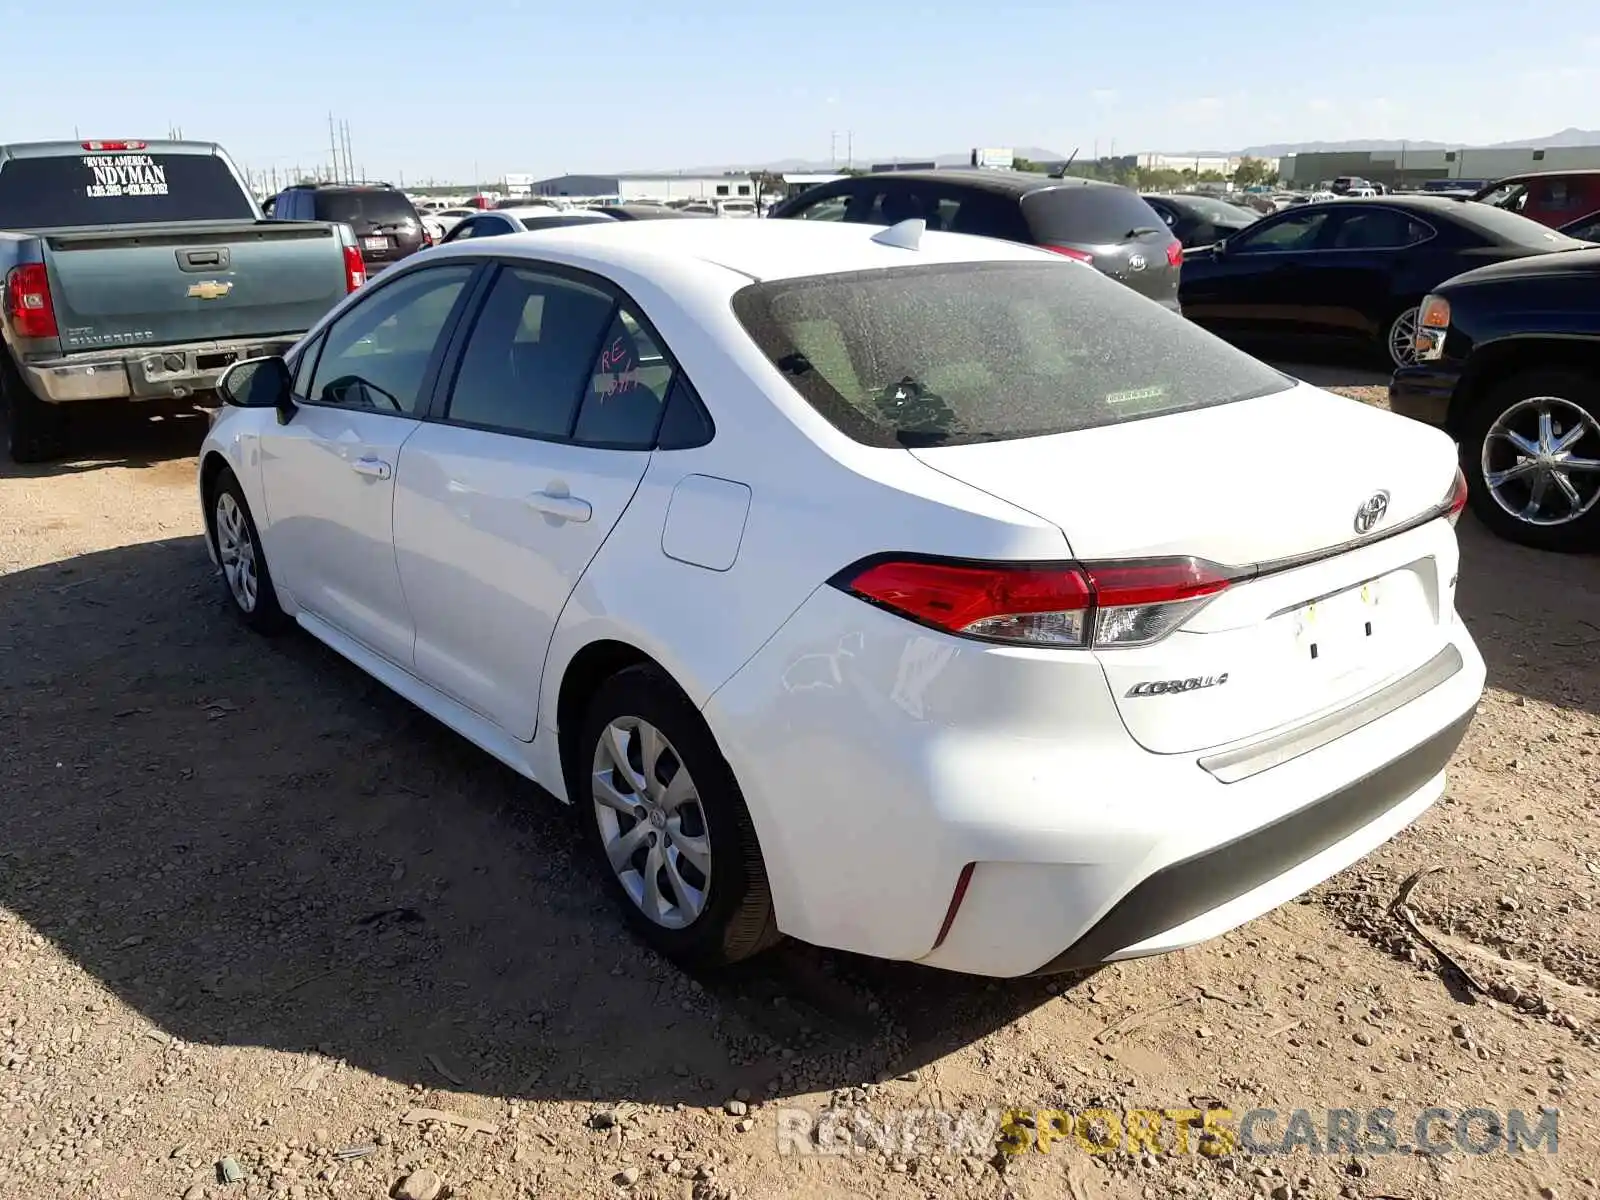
[137, 272]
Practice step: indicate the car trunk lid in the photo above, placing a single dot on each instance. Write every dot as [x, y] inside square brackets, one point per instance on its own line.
[1319, 610]
[1113, 229]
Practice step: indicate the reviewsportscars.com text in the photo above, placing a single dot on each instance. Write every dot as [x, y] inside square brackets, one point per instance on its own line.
[1214, 1132]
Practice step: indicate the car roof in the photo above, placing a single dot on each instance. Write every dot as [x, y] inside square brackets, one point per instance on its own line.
[1005, 183]
[758, 250]
[536, 212]
[1528, 176]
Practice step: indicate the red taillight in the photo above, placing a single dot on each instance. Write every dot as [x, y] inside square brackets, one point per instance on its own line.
[1458, 497]
[1071, 252]
[28, 303]
[355, 271]
[1087, 604]
[111, 146]
[1174, 253]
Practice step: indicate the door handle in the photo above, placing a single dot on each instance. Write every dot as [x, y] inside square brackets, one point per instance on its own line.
[556, 501]
[374, 467]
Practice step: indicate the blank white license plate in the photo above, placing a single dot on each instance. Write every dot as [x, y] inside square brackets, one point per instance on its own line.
[1339, 630]
[375, 243]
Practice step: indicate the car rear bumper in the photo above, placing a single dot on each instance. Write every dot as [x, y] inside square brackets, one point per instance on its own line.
[147, 373]
[883, 763]
[1423, 392]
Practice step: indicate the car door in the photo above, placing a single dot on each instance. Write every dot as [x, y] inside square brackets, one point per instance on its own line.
[1360, 276]
[1254, 285]
[543, 433]
[328, 473]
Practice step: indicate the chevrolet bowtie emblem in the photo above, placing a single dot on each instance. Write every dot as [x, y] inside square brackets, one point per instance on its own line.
[211, 289]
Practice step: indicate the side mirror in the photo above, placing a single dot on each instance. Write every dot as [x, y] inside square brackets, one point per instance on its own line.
[1220, 247]
[259, 383]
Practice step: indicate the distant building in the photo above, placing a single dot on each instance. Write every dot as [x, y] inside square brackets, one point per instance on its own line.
[1412, 168]
[906, 165]
[647, 187]
[1200, 164]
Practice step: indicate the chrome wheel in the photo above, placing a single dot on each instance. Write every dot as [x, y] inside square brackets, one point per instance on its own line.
[651, 822]
[1541, 461]
[237, 552]
[1403, 339]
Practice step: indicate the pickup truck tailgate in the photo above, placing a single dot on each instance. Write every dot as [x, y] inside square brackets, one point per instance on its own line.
[195, 282]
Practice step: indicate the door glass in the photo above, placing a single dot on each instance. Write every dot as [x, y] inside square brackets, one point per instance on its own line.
[531, 355]
[1298, 231]
[830, 209]
[376, 356]
[303, 367]
[627, 389]
[1374, 229]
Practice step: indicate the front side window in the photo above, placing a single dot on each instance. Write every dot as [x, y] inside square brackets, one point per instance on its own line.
[1298, 231]
[974, 352]
[829, 208]
[530, 357]
[377, 355]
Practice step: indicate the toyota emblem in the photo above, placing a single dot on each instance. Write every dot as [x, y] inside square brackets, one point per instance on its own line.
[1372, 512]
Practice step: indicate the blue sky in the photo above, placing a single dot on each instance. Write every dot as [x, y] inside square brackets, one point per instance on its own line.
[560, 85]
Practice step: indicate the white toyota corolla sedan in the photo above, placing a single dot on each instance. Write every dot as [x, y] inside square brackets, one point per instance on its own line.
[921, 595]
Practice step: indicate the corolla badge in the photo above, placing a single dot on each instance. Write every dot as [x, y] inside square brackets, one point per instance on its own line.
[1372, 512]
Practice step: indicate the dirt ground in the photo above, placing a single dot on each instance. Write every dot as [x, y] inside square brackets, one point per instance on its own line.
[255, 911]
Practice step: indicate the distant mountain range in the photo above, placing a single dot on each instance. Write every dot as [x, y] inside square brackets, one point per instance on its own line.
[782, 166]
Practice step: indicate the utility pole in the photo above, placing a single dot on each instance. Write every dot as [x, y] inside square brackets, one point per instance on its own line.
[333, 147]
[349, 158]
[833, 149]
[849, 149]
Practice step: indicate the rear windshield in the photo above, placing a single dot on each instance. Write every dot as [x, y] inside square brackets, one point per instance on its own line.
[364, 208]
[1218, 210]
[118, 189]
[976, 352]
[1512, 229]
[1100, 216]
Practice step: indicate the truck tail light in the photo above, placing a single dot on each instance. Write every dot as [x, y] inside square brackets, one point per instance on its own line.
[28, 302]
[355, 271]
[1101, 605]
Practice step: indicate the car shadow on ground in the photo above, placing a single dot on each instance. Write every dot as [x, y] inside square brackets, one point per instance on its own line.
[251, 842]
[117, 436]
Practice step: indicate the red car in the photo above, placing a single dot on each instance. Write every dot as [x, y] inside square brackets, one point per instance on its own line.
[1553, 198]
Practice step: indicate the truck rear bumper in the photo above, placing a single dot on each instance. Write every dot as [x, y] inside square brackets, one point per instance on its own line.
[148, 373]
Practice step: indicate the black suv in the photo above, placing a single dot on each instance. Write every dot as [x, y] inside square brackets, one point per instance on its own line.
[1107, 226]
[385, 221]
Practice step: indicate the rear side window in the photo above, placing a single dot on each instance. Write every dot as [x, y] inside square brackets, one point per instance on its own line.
[976, 352]
[531, 355]
[1087, 215]
[119, 189]
[376, 207]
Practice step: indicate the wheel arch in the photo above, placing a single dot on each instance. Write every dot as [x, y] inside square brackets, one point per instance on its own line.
[212, 465]
[585, 673]
[1498, 361]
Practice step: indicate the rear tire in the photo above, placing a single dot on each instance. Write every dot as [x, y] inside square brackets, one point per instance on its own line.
[36, 432]
[667, 824]
[246, 578]
[1510, 428]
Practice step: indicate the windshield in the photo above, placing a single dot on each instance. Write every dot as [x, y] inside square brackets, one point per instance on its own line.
[974, 352]
[119, 189]
[1219, 210]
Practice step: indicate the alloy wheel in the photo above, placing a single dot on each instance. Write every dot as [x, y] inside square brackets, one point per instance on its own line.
[1403, 339]
[237, 552]
[651, 822]
[1541, 461]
